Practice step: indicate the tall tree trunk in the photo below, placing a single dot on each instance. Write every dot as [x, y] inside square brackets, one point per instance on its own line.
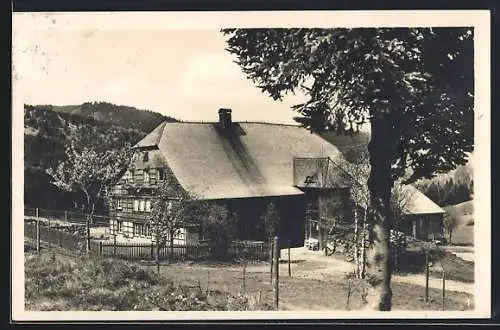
[380, 183]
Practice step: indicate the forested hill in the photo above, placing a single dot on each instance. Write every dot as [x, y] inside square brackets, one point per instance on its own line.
[47, 130]
[120, 115]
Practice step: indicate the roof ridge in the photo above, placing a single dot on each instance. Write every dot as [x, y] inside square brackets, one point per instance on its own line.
[235, 122]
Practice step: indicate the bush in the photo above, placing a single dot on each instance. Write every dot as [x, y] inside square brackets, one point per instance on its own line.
[107, 284]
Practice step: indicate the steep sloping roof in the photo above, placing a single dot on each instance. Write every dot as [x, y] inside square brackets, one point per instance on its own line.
[250, 160]
[153, 138]
[418, 203]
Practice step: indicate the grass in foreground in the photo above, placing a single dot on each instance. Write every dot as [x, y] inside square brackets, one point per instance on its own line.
[106, 284]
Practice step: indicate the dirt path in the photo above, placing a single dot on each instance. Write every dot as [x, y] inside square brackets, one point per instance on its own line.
[315, 265]
[435, 283]
[464, 252]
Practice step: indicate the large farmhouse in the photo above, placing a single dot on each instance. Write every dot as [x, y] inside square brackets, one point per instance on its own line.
[242, 165]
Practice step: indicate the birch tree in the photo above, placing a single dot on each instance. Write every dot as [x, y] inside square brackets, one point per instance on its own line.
[270, 219]
[173, 209]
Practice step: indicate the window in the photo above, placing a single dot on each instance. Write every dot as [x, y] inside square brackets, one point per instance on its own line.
[161, 174]
[146, 176]
[120, 226]
[141, 229]
[119, 204]
[142, 205]
[145, 156]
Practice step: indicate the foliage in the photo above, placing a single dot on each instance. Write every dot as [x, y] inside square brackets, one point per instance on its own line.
[413, 85]
[450, 223]
[119, 115]
[46, 138]
[350, 75]
[402, 197]
[270, 219]
[451, 188]
[106, 284]
[220, 226]
[172, 209]
[88, 170]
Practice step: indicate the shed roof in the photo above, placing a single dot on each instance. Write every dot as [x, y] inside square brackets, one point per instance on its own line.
[418, 203]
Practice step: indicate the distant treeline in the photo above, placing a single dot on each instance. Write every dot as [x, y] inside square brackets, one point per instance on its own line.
[47, 130]
[451, 188]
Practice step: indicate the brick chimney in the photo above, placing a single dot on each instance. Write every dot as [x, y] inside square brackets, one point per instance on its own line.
[225, 118]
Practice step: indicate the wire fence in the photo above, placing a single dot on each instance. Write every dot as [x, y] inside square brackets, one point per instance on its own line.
[65, 216]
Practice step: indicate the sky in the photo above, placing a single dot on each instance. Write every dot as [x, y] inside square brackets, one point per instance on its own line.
[186, 74]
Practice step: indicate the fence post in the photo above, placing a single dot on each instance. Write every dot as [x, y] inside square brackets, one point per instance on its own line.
[244, 274]
[276, 272]
[289, 266]
[152, 250]
[87, 227]
[66, 216]
[271, 259]
[60, 238]
[48, 232]
[36, 212]
[114, 245]
[444, 286]
[157, 256]
[426, 275]
[208, 282]
[100, 248]
[37, 235]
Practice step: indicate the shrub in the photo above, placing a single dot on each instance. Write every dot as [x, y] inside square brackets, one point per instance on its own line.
[107, 284]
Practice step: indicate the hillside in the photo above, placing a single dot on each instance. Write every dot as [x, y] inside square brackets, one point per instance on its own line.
[464, 213]
[46, 133]
[120, 115]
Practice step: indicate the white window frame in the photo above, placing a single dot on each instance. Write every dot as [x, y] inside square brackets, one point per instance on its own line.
[119, 203]
[146, 176]
[136, 205]
[147, 206]
[142, 204]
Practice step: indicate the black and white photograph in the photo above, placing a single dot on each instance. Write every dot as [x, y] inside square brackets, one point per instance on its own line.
[267, 164]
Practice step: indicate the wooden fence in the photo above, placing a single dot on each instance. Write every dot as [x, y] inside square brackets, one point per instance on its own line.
[194, 252]
[73, 238]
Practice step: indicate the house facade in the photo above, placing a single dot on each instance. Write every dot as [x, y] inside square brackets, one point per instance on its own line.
[242, 165]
